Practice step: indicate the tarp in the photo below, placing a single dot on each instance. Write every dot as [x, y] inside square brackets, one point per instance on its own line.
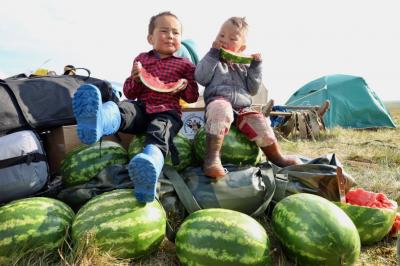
[353, 103]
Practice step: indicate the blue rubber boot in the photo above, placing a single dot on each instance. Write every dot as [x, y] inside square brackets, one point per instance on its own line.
[144, 170]
[94, 118]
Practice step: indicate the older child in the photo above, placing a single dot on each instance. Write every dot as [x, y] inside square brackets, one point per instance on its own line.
[158, 114]
[228, 90]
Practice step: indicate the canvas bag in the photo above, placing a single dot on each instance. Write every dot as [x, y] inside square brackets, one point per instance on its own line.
[247, 189]
[317, 176]
[23, 166]
[43, 102]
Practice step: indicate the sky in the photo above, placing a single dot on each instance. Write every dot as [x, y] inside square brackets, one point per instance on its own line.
[299, 40]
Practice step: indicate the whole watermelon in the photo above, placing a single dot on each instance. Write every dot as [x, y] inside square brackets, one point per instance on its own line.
[117, 223]
[182, 144]
[32, 224]
[83, 163]
[314, 231]
[222, 237]
[236, 149]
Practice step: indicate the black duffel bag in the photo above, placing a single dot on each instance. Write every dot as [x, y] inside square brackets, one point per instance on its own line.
[43, 102]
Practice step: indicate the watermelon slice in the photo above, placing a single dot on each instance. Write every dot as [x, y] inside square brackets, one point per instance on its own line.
[373, 214]
[234, 57]
[155, 84]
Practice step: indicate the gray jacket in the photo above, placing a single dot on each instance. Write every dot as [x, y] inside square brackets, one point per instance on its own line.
[236, 85]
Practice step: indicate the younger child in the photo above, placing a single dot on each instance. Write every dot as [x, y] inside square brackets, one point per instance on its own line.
[158, 114]
[227, 95]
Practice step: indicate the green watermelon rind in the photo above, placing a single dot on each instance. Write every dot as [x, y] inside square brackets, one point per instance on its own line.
[236, 148]
[235, 58]
[85, 162]
[33, 224]
[372, 224]
[314, 231]
[117, 223]
[222, 237]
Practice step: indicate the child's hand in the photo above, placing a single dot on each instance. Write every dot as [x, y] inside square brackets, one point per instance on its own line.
[135, 71]
[217, 44]
[181, 88]
[257, 57]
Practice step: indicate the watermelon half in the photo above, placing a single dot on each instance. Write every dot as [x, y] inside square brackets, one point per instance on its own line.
[155, 84]
[372, 213]
[235, 57]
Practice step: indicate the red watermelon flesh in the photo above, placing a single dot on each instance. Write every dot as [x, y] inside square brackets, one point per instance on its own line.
[155, 84]
[371, 199]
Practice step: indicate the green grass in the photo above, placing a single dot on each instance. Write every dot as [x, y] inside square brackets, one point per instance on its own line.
[371, 157]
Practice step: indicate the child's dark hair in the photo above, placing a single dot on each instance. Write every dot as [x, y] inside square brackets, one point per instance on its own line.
[153, 19]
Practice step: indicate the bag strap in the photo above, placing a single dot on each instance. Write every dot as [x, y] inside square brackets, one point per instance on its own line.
[183, 192]
[27, 158]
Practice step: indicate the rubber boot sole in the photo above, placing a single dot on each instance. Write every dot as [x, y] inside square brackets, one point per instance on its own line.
[143, 173]
[86, 105]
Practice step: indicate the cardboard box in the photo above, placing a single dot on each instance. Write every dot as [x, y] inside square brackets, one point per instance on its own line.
[193, 120]
[59, 141]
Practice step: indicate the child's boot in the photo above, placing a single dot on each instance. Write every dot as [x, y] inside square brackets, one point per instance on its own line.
[144, 170]
[212, 166]
[94, 118]
[275, 155]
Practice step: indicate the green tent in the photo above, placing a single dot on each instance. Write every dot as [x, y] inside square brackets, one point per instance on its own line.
[353, 103]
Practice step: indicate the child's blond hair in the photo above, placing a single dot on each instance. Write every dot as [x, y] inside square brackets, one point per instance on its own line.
[239, 22]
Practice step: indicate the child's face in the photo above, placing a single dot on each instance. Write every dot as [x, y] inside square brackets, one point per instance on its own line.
[166, 37]
[231, 38]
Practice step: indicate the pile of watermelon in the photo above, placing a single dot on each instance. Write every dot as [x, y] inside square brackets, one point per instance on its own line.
[311, 229]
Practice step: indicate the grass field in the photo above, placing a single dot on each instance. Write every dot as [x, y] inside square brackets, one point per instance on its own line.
[371, 157]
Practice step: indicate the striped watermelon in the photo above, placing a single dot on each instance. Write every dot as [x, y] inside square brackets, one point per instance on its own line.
[183, 145]
[236, 149]
[83, 163]
[222, 237]
[32, 224]
[314, 231]
[117, 223]
[374, 218]
[373, 224]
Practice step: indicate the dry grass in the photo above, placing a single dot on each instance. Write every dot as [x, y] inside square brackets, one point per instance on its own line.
[372, 157]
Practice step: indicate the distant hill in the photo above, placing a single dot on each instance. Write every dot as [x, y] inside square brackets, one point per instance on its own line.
[392, 104]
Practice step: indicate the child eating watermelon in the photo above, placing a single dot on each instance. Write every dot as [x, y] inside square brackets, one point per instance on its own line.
[229, 83]
[148, 110]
